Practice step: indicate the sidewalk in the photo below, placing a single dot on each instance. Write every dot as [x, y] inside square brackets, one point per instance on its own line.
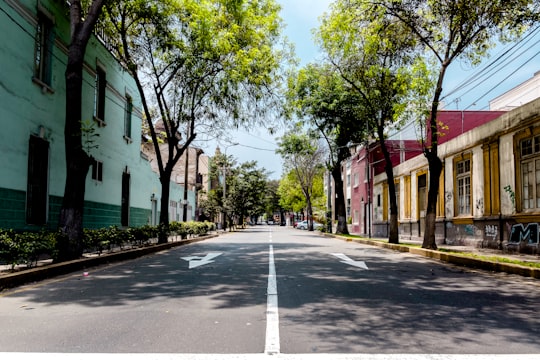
[46, 269]
[471, 249]
[450, 254]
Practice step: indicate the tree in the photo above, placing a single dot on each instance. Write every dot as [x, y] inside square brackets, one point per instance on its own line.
[78, 162]
[290, 193]
[305, 157]
[319, 95]
[452, 30]
[198, 65]
[221, 176]
[271, 201]
[246, 191]
[377, 59]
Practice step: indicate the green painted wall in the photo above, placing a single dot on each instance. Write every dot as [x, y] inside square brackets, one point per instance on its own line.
[96, 215]
[26, 109]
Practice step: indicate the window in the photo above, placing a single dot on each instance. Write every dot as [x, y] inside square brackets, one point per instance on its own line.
[127, 118]
[407, 197]
[43, 50]
[97, 170]
[530, 173]
[348, 207]
[101, 84]
[422, 194]
[356, 176]
[348, 180]
[173, 213]
[463, 180]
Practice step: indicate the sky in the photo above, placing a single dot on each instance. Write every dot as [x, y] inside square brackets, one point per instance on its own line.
[302, 16]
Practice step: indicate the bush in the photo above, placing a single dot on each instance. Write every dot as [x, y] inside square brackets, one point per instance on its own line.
[28, 247]
[25, 248]
[178, 229]
[10, 251]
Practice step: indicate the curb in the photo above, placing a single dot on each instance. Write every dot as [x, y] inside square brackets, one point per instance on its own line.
[453, 258]
[48, 271]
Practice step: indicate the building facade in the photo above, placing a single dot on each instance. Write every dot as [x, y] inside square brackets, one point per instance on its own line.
[121, 188]
[489, 188]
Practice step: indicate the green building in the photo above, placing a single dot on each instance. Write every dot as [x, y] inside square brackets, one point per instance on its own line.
[121, 188]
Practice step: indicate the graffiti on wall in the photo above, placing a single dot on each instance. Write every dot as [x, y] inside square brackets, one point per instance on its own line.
[472, 230]
[527, 233]
[491, 232]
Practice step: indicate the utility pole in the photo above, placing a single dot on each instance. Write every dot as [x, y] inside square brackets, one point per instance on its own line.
[185, 202]
[329, 201]
[224, 169]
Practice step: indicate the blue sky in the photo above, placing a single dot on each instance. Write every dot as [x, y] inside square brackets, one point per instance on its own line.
[301, 17]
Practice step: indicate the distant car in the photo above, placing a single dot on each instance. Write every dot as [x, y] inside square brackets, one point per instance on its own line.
[270, 222]
[303, 225]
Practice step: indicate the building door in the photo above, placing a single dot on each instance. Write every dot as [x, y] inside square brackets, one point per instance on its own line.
[125, 198]
[422, 203]
[37, 183]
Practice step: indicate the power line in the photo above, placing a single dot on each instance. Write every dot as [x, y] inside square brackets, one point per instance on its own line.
[503, 80]
[505, 58]
[497, 62]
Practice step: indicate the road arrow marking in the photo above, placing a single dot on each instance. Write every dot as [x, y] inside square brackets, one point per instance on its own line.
[347, 260]
[196, 261]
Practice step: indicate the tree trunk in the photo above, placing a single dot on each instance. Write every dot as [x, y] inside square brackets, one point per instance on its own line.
[163, 235]
[309, 210]
[341, 210]
[393, 235]
[70, 220]
[69, 244]
[434, 164]
[435, 169]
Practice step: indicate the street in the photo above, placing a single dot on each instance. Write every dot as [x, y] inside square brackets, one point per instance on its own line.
[275, 290]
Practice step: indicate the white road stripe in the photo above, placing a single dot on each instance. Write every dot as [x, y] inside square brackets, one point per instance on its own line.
[272, 317]
[161, 356]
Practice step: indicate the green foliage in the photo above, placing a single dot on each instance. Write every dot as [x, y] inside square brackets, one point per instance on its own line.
[246, 193]
[89, 135]
[290, 193]
[28, 247]
[512, 195]
[24, 248]
[304, 155]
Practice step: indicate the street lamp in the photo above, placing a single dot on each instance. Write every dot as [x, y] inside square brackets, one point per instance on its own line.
[224, 170]
[186, 168]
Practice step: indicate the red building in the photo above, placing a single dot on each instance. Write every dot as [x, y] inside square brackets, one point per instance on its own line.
[363, 166]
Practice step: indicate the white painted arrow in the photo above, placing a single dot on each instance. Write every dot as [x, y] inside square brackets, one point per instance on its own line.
[347, 260]
[196, 261]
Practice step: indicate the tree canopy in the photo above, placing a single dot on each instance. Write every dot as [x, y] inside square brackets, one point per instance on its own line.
[383, 70]
[200, 67]
[305, 157]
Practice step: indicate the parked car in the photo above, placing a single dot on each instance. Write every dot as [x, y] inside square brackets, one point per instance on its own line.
[303, 225]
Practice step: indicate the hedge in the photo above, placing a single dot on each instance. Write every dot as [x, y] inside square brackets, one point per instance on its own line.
[26, 248]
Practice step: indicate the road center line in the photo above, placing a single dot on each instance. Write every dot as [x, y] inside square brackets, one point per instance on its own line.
[272, 316]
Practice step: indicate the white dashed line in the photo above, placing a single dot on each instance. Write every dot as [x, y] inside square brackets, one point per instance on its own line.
[272, 317]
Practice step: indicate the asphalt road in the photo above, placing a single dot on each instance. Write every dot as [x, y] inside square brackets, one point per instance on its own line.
[325, 296]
